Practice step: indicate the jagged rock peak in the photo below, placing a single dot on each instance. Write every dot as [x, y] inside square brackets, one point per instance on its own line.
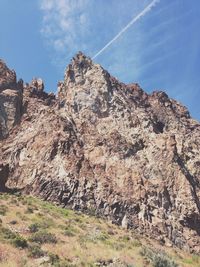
[10, 99]
[7, 77]
[36, 89]
[81, 60]
[89, 88]
[79, 65]
[37, 83]
[81, 72]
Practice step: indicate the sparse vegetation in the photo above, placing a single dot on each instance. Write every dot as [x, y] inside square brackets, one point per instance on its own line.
[3, 210]
[43, 237]
[13, 222]
[69, 231]
[34, 227]
[20, 242]
[59, 237]
[35, 251]
[29, 210]
[158, 258]
[6, 233]
[13, 238]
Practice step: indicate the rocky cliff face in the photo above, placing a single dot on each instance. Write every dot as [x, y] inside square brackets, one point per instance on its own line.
[10, 100]
[105, 147]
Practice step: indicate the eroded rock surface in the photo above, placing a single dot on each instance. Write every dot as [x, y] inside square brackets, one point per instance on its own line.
[105, 147]
[4, 173]
[10, 100]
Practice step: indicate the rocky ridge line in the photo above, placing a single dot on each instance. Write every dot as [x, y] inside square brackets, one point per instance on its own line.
[105, 147]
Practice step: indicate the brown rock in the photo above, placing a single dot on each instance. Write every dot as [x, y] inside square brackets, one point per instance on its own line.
[108, 148]
[10, 100]
[7, 77]
[4, 173]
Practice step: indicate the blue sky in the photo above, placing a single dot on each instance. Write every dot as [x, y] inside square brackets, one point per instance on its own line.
[160, 52]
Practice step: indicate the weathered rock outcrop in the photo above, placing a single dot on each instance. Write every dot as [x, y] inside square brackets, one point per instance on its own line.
[4, 173]
[106, 147]
[10, 100]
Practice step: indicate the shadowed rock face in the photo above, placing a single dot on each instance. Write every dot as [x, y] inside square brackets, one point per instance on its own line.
[111, 148]
[10, 100]
[4, 173]
[7, 77]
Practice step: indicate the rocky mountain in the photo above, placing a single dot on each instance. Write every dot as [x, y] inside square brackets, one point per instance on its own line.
[104, 147]
[11, 99]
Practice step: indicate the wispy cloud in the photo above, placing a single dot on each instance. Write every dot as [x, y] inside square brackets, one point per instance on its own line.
[65, 23]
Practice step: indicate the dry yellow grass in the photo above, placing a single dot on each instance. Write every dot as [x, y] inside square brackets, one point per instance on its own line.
[82, 240]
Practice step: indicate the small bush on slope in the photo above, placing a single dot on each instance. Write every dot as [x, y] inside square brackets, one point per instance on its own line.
[158, 259]
[34, 227]
[13, 238]
[3, 210]
[20, 242]
[43, 237]
[35, 251]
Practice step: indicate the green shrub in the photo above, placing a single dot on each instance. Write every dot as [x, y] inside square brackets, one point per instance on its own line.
[46, 223]
[18, 214]
[124, 238]
[110, 232]
[20, 242]
[53, 259]
[35, 251]
[41, 224]
[196, 258]
[21, 216]
[3, 210]
[83, 226]
[7, 233]
[41, 215]
[29, 210]
[34, 227]
[43, 237]
[91, 211]
[69, 232]
[116, 245]
[136, 243]
[13, 222]
[4, 196]
[13, 238]
[161, 260]
[158, 259]
[14, 201]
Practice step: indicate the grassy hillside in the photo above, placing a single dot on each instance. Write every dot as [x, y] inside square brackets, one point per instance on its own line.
[37, 233]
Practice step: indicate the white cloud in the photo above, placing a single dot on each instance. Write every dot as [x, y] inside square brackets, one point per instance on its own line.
[59, 45]
[64, 21]
[47, 5]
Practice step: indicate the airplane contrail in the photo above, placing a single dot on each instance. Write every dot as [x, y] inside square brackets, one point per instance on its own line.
[141, 14]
